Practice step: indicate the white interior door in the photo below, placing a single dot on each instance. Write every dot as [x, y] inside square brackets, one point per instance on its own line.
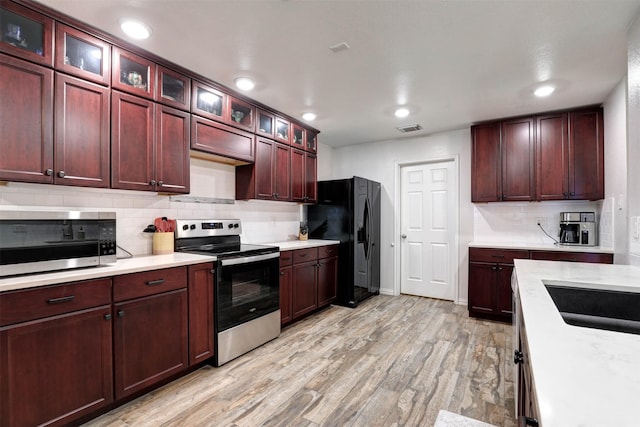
[428, 209]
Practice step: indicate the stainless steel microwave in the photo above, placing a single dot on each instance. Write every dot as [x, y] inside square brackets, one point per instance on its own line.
[35, 242]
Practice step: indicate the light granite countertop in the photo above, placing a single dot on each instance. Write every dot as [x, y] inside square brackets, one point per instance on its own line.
[541, 247]
[133, 265]
[583, 377]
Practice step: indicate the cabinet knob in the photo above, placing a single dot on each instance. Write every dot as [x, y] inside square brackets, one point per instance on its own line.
[152, 182]
[61, 174]
[160, 183]
[565, 194]
[497, 197]
[573, 194]
[518, 357]
[121, 313]
[107, 317]
[48, 172]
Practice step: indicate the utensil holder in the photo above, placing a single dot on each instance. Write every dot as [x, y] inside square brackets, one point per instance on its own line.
[162, 243]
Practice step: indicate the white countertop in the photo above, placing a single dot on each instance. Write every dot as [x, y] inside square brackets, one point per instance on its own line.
[302, 244]
[583, 377]
[122, 266]
[541, 247]
[133, 265]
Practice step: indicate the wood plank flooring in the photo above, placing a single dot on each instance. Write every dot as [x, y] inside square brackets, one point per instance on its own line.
[393, 361]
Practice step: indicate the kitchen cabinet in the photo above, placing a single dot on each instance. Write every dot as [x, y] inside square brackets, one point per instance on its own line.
[569, 155]
[327, 274]
[208, 102]
[286, 271]
[265, 124]
[304, 181]
[312, 141]
[298, 139]
[150, 328]
[281, 131]
[517, 160]
[269, 177]
[173, 89]
[26, 34]
[314, 279]
[55, 353]
[133, 74]
[82, 142]
[150, 145]
[26, 114]
[222, 142]
[82, 55]
[528, 411]
[486, 178]
[592, 257]
[241, 114]
[201, 303]
[490, 282]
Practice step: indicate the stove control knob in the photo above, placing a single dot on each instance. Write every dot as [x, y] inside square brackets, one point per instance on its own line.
[185, 227]
[235, 225]
[230, 226]
[193, 226]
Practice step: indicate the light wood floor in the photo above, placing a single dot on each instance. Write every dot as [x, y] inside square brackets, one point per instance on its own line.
[393, 361]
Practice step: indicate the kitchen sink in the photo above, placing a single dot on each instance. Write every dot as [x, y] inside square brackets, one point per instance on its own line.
[596, 308]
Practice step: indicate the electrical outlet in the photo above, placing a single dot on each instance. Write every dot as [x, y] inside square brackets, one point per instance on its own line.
[542, 221]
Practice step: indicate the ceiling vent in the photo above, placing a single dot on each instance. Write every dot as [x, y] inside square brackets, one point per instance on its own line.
[409, 128]
[339, 47]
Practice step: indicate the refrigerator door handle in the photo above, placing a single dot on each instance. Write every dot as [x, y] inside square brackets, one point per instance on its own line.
[367, 229]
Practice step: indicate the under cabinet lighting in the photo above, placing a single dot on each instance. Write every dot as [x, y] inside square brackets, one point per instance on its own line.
[135, 29]
[309, 116]
[244, 83]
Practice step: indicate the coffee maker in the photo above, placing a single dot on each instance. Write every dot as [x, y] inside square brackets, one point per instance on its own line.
[578, 228]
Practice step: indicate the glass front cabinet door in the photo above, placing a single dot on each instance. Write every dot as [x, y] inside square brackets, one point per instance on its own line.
[312, 141]
[297, 136]
[282, 130]
[241, 114]
[208, 102]
[82, 55]
[174, 89]
[133, 74]
[26, 34]
[265, 124]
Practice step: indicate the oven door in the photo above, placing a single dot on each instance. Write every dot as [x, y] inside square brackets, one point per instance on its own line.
[247, 287]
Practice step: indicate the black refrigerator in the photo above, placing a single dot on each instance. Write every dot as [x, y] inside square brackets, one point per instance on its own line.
[348, 210]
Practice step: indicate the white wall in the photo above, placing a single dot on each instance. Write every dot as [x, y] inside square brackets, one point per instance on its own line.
[615, 169]
[262, 221]
[377, 161]
[633, 138]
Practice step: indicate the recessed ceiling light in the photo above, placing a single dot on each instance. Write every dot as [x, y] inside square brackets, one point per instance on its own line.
[309, 116]
[135, 29]
[402, 112]
[544, 91]
[244, 83]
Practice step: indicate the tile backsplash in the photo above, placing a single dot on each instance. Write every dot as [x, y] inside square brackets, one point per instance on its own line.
[262, 221]
[516, 222]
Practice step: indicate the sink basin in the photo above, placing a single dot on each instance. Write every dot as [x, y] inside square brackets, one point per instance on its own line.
[596, 308]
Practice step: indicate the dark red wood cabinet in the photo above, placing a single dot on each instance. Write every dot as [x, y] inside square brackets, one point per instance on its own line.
[552, 157]
[150, 145]
[327, 275]
[586, 154]
[269, 177]
[150, 335]
[201, 303]
[133, 74]
[26, 114]
[304, 181]
[517, 150]
[26, 34]
[82, 143]
[305, 288]
[82, 55]
[486, 177]
[55, 353]
[286, 271]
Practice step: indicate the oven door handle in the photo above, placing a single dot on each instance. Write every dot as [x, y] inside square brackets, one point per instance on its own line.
[248, 259]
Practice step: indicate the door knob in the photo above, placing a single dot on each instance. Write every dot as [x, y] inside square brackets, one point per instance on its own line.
[404, 236]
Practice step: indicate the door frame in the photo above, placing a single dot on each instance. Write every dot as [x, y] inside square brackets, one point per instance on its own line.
[397, 216]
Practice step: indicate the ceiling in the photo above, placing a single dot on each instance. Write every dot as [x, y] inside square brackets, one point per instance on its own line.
[453, 62]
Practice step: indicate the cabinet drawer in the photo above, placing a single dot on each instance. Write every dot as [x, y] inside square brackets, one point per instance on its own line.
[23, 305]
[304, 255]
[286, 258]
[572, 256]
[327, 251]
[505, 256]
[148, 283]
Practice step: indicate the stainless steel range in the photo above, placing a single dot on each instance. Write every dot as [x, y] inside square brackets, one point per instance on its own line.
[247, 290]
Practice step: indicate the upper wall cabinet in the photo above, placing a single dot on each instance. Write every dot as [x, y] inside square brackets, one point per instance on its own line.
[266, 124]
[282, 130]
[173, 89]
[241, 114]
[82, 55]
[297, 136]
[552, 156]
[208, 102]
[312, 140]
[133, 74]
[26, 34]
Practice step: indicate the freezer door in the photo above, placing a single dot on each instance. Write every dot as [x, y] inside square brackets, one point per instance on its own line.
[374, 236]
[362, 226]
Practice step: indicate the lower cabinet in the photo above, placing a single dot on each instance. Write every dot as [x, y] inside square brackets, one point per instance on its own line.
[490, 276]
[150, 328]
[201, 294]
[56, 361]
[308, 281]
[528, 411]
